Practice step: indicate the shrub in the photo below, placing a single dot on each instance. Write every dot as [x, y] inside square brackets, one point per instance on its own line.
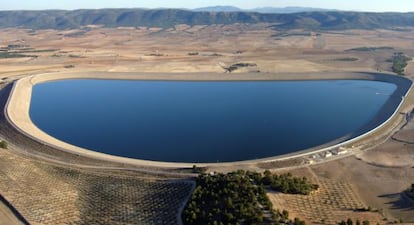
[3, 144]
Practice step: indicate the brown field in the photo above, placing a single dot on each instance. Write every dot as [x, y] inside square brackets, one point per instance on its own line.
[373, 178]
[167, 50]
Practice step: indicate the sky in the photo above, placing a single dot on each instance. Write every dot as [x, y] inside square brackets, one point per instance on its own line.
[357, 5]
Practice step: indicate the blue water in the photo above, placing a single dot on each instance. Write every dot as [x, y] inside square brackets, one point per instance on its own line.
[186, 121]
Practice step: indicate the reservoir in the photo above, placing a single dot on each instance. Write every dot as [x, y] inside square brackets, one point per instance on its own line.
[207, 121]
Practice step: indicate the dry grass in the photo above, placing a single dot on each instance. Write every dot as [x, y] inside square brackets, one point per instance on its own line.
[154, 50]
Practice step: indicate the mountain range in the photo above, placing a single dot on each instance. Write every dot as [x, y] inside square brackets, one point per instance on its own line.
[290, 9]
[320, 20]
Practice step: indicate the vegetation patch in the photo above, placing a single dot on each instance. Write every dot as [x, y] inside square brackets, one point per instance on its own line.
[288, 184]
[3, 144]
[211, 54]
[18, 51]
[237, 66]
[347, 59]
[155, 54]
[238, 198]
[7, 55]
[399, 62]
[75, 56]
[369, 49]
[292, 34]
[197, 169]
[350, 222]
[17, 46]
[37, 50]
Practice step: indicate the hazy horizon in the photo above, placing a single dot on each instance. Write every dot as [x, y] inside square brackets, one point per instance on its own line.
[350, 5]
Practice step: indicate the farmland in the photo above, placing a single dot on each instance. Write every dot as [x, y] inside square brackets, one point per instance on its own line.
[49, 186]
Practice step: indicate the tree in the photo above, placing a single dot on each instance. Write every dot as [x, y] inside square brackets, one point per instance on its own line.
[297, 221]
[399, 62]
[285, 215]
[267, 179]
[3, 144]
[365, 222]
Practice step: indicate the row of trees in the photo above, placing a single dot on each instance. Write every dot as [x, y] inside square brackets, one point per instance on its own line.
[285, 183]
[350, 222]
[235, 198]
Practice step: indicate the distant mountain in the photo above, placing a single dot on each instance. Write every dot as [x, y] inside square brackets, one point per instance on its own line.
[61, 19]
[261, 10]
[218, 9]
[289, 10]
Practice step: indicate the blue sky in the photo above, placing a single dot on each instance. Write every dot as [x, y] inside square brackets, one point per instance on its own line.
[359, 5]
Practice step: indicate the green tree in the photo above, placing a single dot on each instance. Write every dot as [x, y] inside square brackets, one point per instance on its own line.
[267, 179]
[285, 215]
[365, 222]
[297, 221]
[3, 144]
[399, 62]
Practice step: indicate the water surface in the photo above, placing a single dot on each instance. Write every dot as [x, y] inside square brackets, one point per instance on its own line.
[191, 121]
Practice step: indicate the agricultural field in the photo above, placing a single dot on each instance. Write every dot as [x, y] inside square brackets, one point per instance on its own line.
[333, 201]
[49, 194]
[209, 48]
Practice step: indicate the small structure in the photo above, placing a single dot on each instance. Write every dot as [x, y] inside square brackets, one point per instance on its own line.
[328, 154]
[314, 156]
[310, 161]
[342, 150]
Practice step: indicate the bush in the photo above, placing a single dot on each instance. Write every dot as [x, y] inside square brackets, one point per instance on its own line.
[196, 169]
[399, 62]
[3, 144]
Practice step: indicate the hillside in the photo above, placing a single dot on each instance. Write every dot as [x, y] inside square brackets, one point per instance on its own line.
[60, 19]
[261, 9]
[223, 8]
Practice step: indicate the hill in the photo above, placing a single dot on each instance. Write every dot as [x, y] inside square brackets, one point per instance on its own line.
[261, 9]
[218, 8]
[61, 19]
[289, 10]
